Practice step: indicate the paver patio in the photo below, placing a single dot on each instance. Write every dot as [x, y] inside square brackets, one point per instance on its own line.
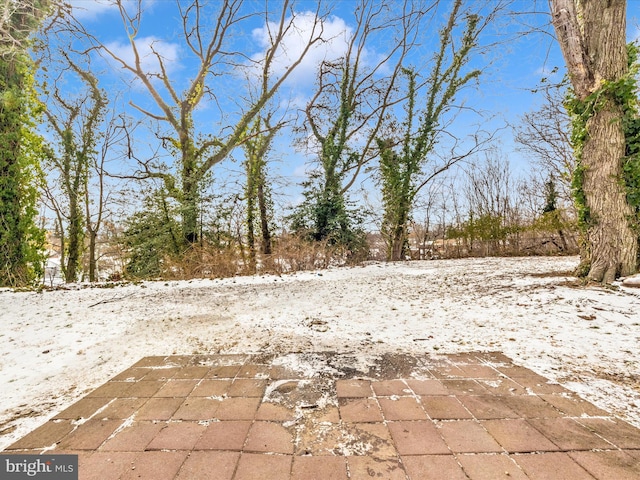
[317, 416]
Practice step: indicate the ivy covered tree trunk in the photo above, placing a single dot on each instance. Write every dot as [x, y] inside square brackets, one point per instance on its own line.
[592, 36]
[11, 235]
[400, 170]
[612, 242]
[397, 191]
[21, 241]
[76, 240]
[256, 190]
[75, 122]
[265, 246]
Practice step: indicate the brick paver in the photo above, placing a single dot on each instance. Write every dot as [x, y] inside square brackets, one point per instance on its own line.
[470, 416]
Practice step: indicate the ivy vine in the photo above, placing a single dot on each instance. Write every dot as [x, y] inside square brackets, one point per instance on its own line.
[624, 92]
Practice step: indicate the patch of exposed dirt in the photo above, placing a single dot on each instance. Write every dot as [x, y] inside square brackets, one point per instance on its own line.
[554, 273]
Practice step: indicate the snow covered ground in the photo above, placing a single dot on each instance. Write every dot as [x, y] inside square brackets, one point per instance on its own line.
[59, 345]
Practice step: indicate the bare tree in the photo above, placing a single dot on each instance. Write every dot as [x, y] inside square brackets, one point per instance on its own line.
[424, 125]
[19, 19]
[76, 125]
[256, 188]
[545, 134]
[592, 36]
[489, 192]
[195, 150]
[349, 107]
[21, 239]
[117, 129]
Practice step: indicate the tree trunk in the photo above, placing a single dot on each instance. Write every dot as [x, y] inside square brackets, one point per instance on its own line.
[397, 244]
[264, 219]
[13, 269]
[612, 242]
[592, 36]
[251, 242]
[93, 264]
[190, 203]
[75, 240]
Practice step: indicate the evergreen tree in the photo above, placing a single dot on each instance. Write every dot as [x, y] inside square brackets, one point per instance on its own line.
[550, 196]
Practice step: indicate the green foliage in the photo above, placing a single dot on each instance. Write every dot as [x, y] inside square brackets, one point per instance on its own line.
[74, 124]
[324, 215]
[151, 236]
[399, 169]
[551, 197]
[257, 190]
[624, 92]
[550, 222]
[21, 240]
[486, 227]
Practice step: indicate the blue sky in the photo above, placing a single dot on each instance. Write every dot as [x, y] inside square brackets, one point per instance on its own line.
[511, 69]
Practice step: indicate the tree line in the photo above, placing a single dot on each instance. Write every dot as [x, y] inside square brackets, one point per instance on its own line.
[385, 119]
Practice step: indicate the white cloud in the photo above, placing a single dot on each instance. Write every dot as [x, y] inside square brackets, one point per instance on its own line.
[147, 49]
[335, 33]
[91, 9]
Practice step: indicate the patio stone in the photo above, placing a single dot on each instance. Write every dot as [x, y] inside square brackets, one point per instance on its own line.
[463, 387]
[573, 406]
[472, 416]
[84, 408]
[530, 406]
[159, 408]
[609, 464]
[177, 436]
[370, 439]
[491, 467]
[417, 438]
[433, 467]
[390, 387]
[106, 465]
[134, 438]
[467, 436]
[201, 465]
[360, 410]
[427, 387]
[366, 468]
[568, 434]
[353, 388]
[197, 408]
[269, 437]
[145, 388]
[176, 388]
[211, 388]
[228, 435]
[516, 435]
[155, 465]
[619, 433]
[256, 466]
[440, 407]
[121, 408]
[552, 466]
[486, 407]
[92, 434]
[224, 371]
[274, 412]
[44, 436]
[247, 387]
[403, 408]
[238, 408]
[319, 468]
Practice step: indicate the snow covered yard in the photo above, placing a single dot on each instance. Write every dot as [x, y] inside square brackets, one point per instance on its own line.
[59, 345]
